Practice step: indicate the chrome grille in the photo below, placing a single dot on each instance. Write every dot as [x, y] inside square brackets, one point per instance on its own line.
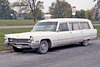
[19, 40]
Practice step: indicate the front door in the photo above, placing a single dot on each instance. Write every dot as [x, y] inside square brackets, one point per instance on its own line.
[63, 37]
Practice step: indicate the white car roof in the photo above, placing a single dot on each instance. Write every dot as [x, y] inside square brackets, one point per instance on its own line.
[65, 19]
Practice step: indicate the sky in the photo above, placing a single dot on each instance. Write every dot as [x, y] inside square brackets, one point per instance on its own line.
[80, 4]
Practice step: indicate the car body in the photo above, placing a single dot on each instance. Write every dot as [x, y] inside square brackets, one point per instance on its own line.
[53, 33]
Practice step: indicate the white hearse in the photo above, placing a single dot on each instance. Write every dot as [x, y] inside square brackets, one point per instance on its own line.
[52, 33]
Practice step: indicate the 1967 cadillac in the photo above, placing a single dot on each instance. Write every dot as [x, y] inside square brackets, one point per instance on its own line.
[52, 33]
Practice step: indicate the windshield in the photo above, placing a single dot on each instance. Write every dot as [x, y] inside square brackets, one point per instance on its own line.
[45, 26]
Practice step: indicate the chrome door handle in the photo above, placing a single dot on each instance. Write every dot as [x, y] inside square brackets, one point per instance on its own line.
[81, 31]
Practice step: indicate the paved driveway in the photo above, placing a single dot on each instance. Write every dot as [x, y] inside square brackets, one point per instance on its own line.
[67, 56]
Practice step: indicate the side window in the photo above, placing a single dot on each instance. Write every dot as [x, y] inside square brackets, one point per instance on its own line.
[74, 26]
[63, 27]
[84, 25]
[71, 26]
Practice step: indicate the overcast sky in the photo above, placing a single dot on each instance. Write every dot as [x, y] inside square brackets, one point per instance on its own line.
[80, 4]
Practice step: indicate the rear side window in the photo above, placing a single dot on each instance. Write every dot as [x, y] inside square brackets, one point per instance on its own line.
[74, 26]
[84, 25]
[63, 27]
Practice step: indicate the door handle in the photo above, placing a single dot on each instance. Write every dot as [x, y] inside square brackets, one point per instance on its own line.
[81, 31]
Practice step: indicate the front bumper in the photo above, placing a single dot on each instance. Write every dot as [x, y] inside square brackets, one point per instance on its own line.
[22, 45]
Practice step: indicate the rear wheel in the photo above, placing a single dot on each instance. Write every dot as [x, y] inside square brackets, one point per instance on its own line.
[43, 47]
[85, 43]
[16, 49]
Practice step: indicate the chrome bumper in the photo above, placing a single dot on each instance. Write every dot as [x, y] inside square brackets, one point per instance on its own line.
[23, 45]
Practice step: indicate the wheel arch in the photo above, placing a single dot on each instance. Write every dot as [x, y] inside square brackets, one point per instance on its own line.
[49, 42]
[87, 39]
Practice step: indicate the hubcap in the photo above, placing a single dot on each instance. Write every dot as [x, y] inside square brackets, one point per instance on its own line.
[43, 47]
[85, 43]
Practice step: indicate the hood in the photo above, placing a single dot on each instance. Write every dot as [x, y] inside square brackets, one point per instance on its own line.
[27, 34]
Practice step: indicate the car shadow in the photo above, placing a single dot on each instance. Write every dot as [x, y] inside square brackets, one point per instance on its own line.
[64, 47]
[56, 49]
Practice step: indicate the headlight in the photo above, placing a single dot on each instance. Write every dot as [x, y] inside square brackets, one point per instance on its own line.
[10, 39]
[31, 39]
[5, 38]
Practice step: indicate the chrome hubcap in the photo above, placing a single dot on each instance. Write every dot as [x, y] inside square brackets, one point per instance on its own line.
[43, 47]
[85, 43]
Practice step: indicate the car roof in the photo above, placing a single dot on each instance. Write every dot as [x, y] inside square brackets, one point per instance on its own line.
[65, 19]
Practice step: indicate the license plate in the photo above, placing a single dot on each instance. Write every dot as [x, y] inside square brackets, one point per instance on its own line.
[18, 46]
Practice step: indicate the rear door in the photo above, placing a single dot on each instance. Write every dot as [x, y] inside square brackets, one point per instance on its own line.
[75, 31]
[87, 31]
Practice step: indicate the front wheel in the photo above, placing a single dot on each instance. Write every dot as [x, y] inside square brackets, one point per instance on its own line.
[84, 43]
[43, 47]
[16, 49]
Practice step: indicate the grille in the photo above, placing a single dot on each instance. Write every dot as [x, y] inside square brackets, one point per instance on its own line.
[19, 40]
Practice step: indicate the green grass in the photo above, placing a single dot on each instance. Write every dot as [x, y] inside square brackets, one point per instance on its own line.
[96, 22]
[10, 31]
[16, 22]
[98, 29]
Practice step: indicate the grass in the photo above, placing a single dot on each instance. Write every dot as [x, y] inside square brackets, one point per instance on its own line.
[10, 31]
[16, 22]
[98, 29]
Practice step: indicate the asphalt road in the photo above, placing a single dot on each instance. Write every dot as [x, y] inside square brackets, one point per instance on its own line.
[96, 24]
[67, 56]
[9, 27]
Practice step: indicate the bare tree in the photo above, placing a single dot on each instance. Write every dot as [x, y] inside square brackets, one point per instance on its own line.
[29, 5]
[98, 2]
[97, 10]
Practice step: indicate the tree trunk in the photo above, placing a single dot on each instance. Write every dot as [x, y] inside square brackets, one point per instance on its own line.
[33, 14]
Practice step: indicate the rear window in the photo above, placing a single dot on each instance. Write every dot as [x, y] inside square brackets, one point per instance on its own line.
[74, 26]
[84, 25]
